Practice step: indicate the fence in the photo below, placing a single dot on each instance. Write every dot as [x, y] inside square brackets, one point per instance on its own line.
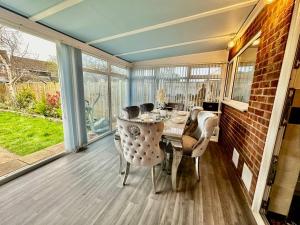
[40, 89]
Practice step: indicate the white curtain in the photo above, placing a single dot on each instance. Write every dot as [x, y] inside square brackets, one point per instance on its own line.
[72, 94]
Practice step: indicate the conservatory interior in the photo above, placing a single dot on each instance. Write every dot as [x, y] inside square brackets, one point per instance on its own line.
[173, 112]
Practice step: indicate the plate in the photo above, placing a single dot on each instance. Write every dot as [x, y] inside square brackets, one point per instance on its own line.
[178, 120]
[181, 113]
[156, 111]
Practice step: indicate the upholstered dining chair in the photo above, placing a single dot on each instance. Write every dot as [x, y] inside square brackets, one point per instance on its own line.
[173, 105]
[140, 144]
[192, 122]
[129, 112]
[194, 145]
[146, 107]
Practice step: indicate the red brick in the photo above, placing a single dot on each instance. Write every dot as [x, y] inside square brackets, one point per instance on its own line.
[247, 131]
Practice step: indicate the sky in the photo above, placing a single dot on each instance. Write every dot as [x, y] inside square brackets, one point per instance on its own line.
[38, 48]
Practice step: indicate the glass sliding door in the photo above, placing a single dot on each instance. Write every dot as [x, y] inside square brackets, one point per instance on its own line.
[96, 96]
[105, 92]
[96, 104]
[119, 97]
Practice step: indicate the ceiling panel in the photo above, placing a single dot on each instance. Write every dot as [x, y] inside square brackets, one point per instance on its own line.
[28, 7]
[194, 30]
[182, 50]
[94, 19]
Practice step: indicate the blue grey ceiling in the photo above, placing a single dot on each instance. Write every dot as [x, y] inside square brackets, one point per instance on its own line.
[94, 19]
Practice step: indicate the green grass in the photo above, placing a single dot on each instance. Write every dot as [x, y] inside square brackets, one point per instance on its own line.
[24, 135]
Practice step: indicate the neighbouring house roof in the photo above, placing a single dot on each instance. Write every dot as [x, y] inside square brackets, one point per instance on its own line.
[36, 70]
[31, 64]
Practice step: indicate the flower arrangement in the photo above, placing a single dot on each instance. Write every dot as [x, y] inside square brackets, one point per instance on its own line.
[161, 97]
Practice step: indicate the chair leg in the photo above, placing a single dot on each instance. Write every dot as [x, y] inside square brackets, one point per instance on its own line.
[168, 160]
[197, 167]
[120, 152]
[121, 164]
[177, 156]
[153, 179]
[126, 173]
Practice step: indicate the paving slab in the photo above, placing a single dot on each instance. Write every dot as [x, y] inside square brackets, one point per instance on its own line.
[11, 166]
[10, 162]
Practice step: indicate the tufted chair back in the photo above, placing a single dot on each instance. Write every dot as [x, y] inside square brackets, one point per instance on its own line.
[207, 123]
[140, 142]
[130, 112]
[146, 107]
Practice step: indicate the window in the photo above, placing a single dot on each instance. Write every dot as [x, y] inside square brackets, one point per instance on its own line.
[240, 73]
[190, 85]
[119, 97]
[244, 75]
[228, 80]
[119, 70]
[143, 85]
[205, 84]
[96, 104]
[105, 92]
[174, 81]
[93, 63]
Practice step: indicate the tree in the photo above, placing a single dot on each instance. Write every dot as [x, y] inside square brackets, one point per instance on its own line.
[11, 44]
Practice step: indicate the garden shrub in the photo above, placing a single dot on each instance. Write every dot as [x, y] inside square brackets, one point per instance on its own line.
[53, 105]
[41, 107]
[25, 99]
[49, 106]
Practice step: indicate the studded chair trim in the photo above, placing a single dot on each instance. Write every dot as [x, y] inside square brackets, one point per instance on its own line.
[140, 142]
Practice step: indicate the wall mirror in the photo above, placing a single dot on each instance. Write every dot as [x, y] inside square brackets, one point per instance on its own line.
[244, 73]
[240, 74]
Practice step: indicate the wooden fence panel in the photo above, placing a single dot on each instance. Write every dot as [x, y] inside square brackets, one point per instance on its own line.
[40, 89]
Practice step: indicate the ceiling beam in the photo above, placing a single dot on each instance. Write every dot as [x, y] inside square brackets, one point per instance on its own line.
[178, 21]
[227, 36]
[54, 9]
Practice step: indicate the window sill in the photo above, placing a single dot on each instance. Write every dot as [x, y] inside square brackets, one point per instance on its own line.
[241, 106]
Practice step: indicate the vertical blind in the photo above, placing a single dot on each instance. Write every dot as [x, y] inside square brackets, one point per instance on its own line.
[190, 85]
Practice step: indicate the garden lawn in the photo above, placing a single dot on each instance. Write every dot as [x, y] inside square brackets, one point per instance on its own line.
[24, 135]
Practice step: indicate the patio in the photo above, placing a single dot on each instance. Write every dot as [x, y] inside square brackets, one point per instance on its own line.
[10, 162]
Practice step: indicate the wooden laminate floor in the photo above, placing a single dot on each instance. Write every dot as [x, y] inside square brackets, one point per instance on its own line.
[85, 188]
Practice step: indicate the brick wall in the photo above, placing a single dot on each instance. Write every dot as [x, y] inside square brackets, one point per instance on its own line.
[246, 131]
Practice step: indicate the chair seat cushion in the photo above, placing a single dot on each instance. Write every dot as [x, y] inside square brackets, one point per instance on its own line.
[188, 143]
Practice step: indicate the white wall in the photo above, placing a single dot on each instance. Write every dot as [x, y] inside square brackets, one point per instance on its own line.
[199, 58]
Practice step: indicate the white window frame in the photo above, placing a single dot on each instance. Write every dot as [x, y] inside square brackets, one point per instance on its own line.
[241, 106]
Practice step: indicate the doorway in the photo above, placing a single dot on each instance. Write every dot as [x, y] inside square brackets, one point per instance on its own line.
[281, 202]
